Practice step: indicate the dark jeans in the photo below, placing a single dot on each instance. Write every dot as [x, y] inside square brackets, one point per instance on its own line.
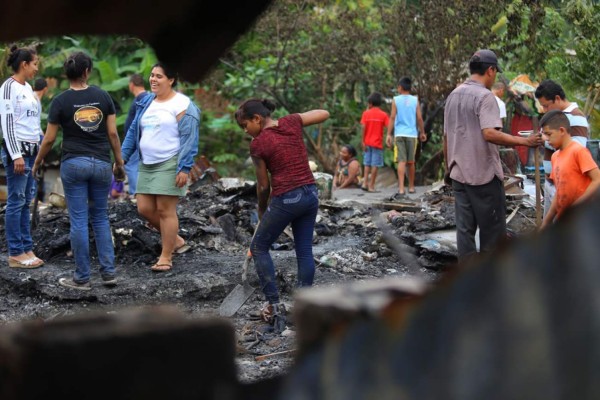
[482, 206]
[86, 181]
[298, 207]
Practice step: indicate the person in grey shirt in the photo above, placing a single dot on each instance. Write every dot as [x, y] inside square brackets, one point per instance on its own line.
[471, 137]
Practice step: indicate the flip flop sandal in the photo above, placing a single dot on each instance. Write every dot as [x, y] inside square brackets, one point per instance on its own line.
[30, 263]
[412, 191]
[39, 261]
[184, 248]
[161, 267]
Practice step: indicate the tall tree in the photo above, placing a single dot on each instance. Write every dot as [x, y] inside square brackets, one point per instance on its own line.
[312, 54]
[579, 67]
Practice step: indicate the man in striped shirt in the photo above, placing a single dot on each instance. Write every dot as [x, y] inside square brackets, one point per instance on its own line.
[551, 96]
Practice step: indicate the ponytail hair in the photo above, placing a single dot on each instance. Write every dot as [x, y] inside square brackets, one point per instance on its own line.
[17, 55]
[77, 64]
[252, 107]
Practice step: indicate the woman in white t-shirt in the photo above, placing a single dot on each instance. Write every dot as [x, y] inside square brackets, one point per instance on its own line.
[165, 132]
[19, 115]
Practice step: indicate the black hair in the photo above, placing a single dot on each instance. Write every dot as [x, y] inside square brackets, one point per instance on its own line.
[169, 73]
[479, 68]
[350, 149]
[77, 64]
[40, 84]
[375, 99]
[405, 83]
[549, 89]
[252, 107]
[555, 119]
[137, 80]
[19, 54]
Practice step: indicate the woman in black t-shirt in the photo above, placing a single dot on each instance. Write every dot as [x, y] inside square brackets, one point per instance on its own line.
[86, 115]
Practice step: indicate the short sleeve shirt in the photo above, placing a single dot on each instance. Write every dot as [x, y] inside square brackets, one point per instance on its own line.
[569, 169]
[579, 127]
[82, 116]
[501, 106]
[472, 160]
[283, 150]
[374, 120]
[160, 139]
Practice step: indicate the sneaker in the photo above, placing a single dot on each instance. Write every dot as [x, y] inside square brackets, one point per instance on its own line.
[70, 283]
[279, 318]
[109, 280]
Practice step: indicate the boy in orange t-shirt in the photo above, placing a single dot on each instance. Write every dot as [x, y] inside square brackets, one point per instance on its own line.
[574, 171]
[374, 120]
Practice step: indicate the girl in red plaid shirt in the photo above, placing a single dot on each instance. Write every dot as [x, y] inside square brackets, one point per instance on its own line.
[286, 192]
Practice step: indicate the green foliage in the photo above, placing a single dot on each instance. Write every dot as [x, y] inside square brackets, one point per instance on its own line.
[115, 59]
[580, 67]
[226, 144]
[529, 33]
[556, 40]
[307, 55]
[331, 54]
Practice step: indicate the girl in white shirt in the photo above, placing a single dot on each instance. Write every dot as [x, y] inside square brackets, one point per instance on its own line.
[19, 116]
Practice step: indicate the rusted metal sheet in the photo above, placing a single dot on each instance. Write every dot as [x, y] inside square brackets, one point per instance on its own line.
[203, 169]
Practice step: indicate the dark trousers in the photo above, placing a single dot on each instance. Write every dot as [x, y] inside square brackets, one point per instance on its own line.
[482, 206]
[299, 207]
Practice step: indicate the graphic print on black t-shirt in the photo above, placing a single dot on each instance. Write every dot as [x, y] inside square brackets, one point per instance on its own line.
[88, 118]
[83, 115]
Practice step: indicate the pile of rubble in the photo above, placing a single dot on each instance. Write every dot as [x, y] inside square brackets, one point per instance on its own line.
[217, 220]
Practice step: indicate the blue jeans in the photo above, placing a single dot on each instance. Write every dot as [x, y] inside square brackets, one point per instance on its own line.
[132, 169]
[373, 157]
[298, 207]
[17, 218]
[86, 181]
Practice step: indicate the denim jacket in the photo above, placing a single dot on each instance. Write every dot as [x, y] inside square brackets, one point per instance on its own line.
[188, 126]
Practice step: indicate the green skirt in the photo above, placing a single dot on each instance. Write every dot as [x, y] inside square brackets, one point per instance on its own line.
[159, 179]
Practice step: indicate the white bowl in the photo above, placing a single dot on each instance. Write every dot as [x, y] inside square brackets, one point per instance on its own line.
[525, 133]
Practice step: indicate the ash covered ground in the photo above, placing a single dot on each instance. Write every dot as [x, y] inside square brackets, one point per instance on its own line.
[351, 242]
